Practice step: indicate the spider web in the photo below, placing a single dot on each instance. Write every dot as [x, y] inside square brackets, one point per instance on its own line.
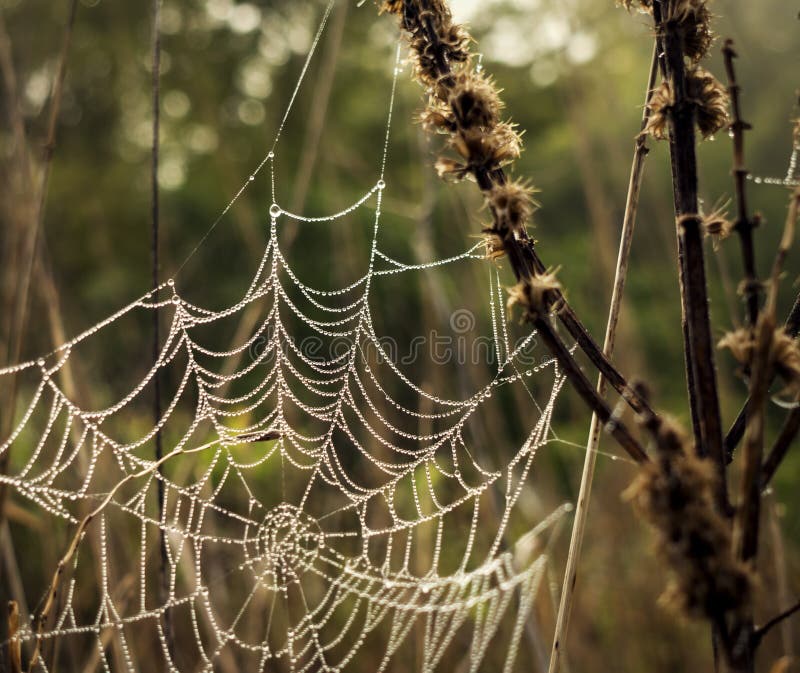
[312, 516]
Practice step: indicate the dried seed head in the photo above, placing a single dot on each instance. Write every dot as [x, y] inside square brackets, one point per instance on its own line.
[741, 344]
[785, 356]
[512, 205]
[391, 7]
[703, 90]
[660, 105]
[693, 20]
[535, 295]
[641, 5]
[717, 225]
[474, 100]
[495, 247]
[437, 116]
[488, 147]
[674, 493]
[710, 98]
[450, 168]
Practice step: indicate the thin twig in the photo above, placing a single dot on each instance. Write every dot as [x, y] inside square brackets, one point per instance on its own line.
[159, 450]
[762, 631]
[585, 492]
[744, 224]
[787, 435]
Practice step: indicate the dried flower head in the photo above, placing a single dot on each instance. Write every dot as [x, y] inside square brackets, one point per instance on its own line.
[784, 354]
[717, 225]
[480, 149]
[391, 7]
[674, 493]
[536, 295]
[660, 105]
[488, 147]
[693, 21]
[741, 343]
[474, 100]
[703, 90]
[512, 205]
[641, 5]
[495, 246]
[785, 357]
[710, 98]
[437, 117]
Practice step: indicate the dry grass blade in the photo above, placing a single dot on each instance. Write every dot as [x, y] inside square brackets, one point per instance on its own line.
[587, 477]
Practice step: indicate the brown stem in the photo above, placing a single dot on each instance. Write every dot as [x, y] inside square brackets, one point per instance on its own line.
[419, 17]
[762, 631]
[788, 433]
[744, 223]
[586, 390]
[522, 254]
[701, 372]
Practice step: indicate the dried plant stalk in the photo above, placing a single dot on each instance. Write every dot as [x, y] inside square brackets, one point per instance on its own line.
[587, 477]
[465, 106]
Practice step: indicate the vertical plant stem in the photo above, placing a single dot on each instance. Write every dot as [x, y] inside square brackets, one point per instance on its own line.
[159, 450]
[744, 223]
[585, 492]
[701, 371]
[34, 213]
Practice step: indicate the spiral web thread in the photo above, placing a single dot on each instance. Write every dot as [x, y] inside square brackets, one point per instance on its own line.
[365, 521]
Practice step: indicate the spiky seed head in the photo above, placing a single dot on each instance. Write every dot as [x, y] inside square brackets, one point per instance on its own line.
[512, 205]
[717, 225]
[474, 100]
[535, 295]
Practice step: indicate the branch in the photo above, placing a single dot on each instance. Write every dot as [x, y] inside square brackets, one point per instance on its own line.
[762, 631]
[788, 433]
[701, 372]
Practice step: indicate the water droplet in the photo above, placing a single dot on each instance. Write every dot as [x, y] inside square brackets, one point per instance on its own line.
[275, 211]
[40, 362]
[381, 184]
[271, 155]
[529, 373]
[252, 177]
[171, 282]
[759, 181]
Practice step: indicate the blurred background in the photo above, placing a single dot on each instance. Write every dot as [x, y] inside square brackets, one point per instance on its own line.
[573, 74]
